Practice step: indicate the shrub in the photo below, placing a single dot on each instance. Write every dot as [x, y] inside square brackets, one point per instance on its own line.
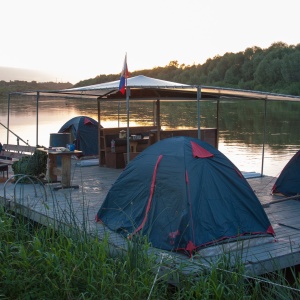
[35, 165]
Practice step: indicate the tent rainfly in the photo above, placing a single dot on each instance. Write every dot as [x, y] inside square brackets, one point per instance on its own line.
[84, 134]
[184, 195]
[288, 182]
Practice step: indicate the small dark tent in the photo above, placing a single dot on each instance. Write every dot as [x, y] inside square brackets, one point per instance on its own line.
[84, 133]
[183, 194]
[288, 182]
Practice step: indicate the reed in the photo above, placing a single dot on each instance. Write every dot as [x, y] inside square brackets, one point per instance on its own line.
[39, 262]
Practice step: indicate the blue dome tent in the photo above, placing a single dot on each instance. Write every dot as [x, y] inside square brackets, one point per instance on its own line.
[84, 133]
[288, 182]
[185, 195]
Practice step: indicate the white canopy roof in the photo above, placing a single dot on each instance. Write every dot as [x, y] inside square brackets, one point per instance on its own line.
[147, 88]
[155, 88]
[139, 81]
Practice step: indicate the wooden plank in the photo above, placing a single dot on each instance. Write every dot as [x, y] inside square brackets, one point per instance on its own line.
[16, 151]
[9, 154]
[19, 148]
[65, 170]
[6, 161]
[86, 201]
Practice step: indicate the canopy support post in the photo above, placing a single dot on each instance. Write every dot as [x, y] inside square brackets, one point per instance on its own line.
[198, 111]
[218, 114]
[158, 118]
[154, 113]
[99, 135]
[37, 118]
[264, 138]
[127, 135]
[8, 113]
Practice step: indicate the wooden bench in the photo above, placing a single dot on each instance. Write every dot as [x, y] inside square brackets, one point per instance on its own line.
[10, 151]
[4, 168]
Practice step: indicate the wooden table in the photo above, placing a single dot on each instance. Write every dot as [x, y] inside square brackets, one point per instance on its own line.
[65, 170]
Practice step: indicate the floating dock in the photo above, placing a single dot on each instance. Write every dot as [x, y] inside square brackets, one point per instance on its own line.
[76, 209]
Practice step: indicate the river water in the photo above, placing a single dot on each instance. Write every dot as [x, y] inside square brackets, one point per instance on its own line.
[241, 125]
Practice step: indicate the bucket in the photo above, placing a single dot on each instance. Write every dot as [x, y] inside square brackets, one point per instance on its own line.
[122, 134]
[59, 140]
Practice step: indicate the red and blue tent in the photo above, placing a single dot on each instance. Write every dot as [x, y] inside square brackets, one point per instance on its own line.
[184, 194]
[84, 134]
[288, 182]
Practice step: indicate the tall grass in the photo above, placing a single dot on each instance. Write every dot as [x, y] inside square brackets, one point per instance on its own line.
[37, 262]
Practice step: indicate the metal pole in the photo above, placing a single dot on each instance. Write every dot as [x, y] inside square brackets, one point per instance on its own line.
[127, 110]
[264, 139]
[154, 113]
[119, 114]
[8, 113]
[99, 136]
[198, 110]
[218, 114]
[37, 117]
[18, 138]
[158, 118]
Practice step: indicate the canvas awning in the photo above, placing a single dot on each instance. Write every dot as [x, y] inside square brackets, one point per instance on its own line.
[141, 87]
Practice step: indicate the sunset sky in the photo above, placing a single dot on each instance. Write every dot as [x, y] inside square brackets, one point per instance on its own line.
[73, 40]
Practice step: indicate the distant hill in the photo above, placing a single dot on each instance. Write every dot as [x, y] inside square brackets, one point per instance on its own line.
[20, 80]
[11, 74]
[21, 86]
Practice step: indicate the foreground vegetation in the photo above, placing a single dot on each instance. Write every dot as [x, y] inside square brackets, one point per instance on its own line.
[39, 263]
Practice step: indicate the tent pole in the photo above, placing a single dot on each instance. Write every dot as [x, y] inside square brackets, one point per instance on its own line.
[8, 113]
[37, 117]
[198, 111]
[264, 138]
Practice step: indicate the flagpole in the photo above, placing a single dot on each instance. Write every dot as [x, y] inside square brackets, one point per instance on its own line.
[119, 114]
[127, 110]
[124, 88]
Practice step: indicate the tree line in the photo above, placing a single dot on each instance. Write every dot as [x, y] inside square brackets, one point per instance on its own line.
[275, 69]
[22, 86]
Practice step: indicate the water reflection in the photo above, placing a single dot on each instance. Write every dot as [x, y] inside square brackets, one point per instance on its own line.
[241, 124]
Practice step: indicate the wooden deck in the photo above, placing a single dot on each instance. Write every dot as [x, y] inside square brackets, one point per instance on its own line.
[76, 209]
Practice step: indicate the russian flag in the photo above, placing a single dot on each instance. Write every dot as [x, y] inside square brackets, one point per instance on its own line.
[124, 76]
